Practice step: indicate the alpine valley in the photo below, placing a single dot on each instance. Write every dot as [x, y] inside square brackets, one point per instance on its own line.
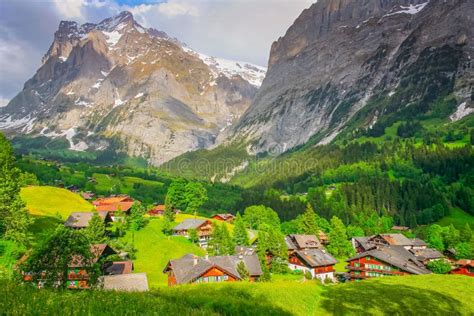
[132, 162]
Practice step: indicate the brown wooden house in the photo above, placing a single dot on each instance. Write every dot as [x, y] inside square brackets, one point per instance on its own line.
[384, 260]
[193, 269]
[296, 242]
[78, 277]
[202, 226]
[157, 210]
[114, 204]
[80, 220]
[227, 217]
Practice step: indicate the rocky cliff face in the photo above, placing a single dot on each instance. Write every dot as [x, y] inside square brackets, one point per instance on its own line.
[377, 58]
[117, 82]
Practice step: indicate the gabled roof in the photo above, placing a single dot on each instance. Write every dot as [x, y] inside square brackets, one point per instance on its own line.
[190, 223]
[316, 258]
[112, 200]
[81, 219]
[114, 207]
[426, 254]
[160, 208]
[97, 250]
[364, 242]
[132, 282]
[396, 239]
[190, 267]
[397, 256]
[245, 250]
[225, 217]
[119, 267]
[295, 241]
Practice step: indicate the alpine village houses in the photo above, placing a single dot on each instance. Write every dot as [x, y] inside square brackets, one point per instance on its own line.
[306, 254]
[114, 204]
[229, 218]
[193, 269]
[203, 228]
[389, 254]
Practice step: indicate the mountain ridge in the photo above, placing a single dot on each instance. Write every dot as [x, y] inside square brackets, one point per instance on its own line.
[98, 81]
[340, 55]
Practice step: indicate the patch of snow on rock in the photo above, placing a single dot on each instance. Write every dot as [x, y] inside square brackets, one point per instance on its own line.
[139, 95]
[411, 9]
[97, 84]
[462, 111]
[112, 37]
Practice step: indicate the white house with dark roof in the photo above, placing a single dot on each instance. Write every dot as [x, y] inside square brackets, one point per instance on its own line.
[318, 262]
[203, 228]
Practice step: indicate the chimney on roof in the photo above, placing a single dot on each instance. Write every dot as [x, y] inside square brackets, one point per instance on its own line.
[306, 253]
[206, 256]
[195, 260]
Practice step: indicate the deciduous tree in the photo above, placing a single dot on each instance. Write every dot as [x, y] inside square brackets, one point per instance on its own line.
[50, 259]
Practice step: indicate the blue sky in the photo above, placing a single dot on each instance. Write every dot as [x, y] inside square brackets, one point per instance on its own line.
[234, 29]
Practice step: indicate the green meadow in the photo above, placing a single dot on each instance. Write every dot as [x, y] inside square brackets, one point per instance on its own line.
[408, 295]
[51, 201]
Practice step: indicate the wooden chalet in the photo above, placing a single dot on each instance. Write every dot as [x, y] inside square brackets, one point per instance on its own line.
[202, 226]
[193, 269]
[384, 260]
[464, 267]
[296, 242]
[114, 204]
[80, 220]
[227, 217]
[78, 277]
[157, 210]
[316, 261]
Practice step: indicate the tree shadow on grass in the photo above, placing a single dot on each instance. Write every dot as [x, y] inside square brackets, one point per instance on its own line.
[375, 298]
[223, 301]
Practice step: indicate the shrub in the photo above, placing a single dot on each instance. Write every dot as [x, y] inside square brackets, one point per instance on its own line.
[439, 266]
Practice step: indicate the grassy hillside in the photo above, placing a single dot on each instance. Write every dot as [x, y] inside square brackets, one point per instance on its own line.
[458, 218]
[50, 201]
[411, 295]
[155, 249]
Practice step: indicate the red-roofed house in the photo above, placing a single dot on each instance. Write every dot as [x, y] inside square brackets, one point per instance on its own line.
[114, 204]
[465, 267]
[229, 218]
[157, 210]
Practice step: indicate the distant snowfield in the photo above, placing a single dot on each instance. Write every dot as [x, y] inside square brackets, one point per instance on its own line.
[252, 73]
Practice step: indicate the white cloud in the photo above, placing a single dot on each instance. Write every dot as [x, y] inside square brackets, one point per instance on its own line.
[232, 29]
[238, 29]
[3, 102]
[70, 9]
[174, 8]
